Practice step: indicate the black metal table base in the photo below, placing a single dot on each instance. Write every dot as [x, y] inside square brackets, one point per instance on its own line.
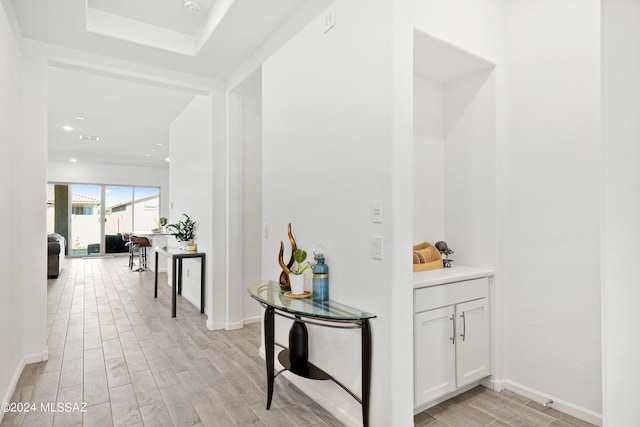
[176, 269]
[294, 359]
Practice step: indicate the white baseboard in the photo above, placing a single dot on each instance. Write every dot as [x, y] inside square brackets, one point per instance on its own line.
[558, 404]
[38, 357]
[230, 326]
[255, 319]
[34, 358]
[192, 300]
[326, 393]
[493, 384]
[214, 326]
[12, 386]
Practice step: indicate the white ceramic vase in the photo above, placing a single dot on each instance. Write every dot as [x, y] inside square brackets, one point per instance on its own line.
[183, 245]
[297, 283]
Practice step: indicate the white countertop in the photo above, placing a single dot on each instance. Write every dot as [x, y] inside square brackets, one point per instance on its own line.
[456, 273]
[150, 233]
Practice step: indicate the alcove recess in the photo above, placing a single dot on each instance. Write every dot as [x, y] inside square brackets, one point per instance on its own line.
[454, 150]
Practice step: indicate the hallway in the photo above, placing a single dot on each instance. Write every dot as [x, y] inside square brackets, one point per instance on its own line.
[115, 347]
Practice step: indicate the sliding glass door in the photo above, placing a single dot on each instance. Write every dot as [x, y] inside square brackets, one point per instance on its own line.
[94, 218]
[86, 219]
[146, 208]
[118, 217]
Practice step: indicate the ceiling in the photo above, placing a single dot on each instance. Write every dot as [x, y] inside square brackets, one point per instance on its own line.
[131, 118]
[168, 14]
[160, 32]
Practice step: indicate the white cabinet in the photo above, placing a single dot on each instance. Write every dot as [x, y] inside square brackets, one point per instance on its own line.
[435, 366]
[451, 338]
[472, 341]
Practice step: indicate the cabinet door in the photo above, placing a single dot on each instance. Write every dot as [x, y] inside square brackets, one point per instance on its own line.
[434, 354]
[472, 341]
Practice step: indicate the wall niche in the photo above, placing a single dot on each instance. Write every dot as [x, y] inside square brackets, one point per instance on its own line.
[454, 150]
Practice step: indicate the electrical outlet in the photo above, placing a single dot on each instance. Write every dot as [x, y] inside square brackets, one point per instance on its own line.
[187, 272]
[267, 230]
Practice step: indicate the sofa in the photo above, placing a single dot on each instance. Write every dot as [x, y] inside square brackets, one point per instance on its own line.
[56, 244]
[114, 244]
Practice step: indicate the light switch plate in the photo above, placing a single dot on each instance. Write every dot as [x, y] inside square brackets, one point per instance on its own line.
[376, 212]
[377, 247]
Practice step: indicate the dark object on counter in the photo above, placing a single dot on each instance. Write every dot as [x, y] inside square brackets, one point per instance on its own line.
[445, 252]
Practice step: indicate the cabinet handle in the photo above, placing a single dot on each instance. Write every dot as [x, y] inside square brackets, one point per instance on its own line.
[464, 326]
[453, 337]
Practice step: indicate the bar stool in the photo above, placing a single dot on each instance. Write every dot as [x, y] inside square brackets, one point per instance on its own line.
[127, 238]
[140, 244]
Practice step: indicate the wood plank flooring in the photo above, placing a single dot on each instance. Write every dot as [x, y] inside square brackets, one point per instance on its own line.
[115, 347]
[481, 407]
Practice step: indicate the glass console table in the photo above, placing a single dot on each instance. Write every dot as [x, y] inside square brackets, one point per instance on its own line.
[305, 310]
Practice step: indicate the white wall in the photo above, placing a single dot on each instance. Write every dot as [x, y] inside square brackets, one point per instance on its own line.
[470, 175]
[547, 188]
[11, 315]
[93, 173]
[245, 199]
[474, 26]
[428, 160]
[193, 192]
[472, 36]
[620, 250]
[455, 164]
[329, 151]
[552, 182]
[32, 168]
[252, 166]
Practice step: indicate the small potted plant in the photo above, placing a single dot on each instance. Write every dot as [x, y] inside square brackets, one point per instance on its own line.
[296, 277]
[160, 224]
[184, 231]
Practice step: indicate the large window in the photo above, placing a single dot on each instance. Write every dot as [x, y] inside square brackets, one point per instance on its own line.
[82, 210]
[76, 211]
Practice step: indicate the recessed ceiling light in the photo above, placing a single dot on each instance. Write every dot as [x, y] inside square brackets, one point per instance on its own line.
[79, 118]
[192, 6]
[147, 155]
[73, 160]
[67, 128]
[153, 151]
[159, 144]
[166, 160]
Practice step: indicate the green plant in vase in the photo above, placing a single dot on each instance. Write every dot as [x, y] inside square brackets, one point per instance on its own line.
[184, 231]
[296, 277]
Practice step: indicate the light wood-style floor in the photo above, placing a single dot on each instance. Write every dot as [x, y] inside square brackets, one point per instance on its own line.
[115, 347]
[483, 407]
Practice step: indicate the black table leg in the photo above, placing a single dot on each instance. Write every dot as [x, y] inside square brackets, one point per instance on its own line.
[202, 284]
[174, 288]
[269, 342]
[156, 282]
[366, 371]
[179, 276]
